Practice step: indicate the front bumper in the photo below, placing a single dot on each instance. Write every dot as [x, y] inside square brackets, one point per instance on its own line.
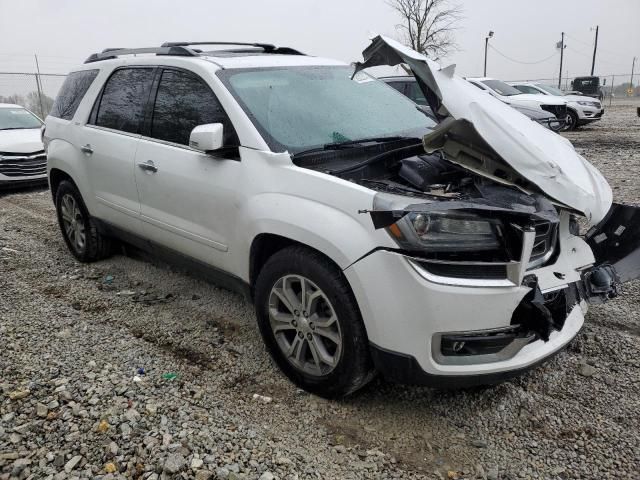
[587, 115]
[406, 312]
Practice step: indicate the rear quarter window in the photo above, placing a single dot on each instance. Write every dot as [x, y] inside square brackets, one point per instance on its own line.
[71, 93]
[124, 97]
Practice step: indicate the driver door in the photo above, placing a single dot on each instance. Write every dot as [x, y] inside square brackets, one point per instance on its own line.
[187, 198]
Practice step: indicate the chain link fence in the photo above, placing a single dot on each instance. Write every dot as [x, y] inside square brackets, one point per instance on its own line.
[33, 91]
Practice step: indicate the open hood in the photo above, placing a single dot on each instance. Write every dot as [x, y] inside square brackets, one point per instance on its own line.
[490, 138]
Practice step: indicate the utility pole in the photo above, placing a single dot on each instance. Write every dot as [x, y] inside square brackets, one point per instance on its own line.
[595, 47]
[633, 65]
[486, 46]
[561, 57]
[39, 88]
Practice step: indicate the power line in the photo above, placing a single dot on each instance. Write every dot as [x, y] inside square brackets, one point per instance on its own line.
[520, 61]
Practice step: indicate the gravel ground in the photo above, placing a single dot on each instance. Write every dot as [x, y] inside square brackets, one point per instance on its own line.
[75, 404]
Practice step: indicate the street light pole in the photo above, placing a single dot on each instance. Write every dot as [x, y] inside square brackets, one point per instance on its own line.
[486, 46]
[595, 47]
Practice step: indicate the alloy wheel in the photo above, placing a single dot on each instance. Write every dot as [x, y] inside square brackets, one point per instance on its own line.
[73, 222]
[305, 325]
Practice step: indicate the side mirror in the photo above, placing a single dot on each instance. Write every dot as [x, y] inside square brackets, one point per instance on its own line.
[207, 138]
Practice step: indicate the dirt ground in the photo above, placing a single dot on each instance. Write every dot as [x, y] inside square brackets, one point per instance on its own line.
[74, 337]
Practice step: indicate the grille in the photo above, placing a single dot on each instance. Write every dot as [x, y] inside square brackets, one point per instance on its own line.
[23, 164]
[545, 243]
[560, 111]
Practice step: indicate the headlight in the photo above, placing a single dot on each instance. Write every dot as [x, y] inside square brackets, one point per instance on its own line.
[446, 232]
[589, 104]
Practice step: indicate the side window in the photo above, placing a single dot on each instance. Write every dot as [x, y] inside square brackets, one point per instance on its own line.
[71, 93]
[476, 85]
[415, 94]
[399, 86]
[123, 99]
[528, 89]
[182, 103]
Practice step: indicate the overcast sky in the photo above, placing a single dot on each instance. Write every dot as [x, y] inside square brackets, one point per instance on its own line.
[65, 32]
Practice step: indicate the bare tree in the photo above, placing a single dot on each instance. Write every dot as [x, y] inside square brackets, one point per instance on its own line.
[428, 25]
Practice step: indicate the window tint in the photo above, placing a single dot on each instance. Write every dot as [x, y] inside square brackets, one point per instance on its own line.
[71, 93]
[124, 98]
[527, 89]
[415, 94]
[399, 86]
[182, 103]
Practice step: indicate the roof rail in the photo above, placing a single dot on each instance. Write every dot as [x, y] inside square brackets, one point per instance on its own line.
[264, 46]
[267, 47]
[110, 53]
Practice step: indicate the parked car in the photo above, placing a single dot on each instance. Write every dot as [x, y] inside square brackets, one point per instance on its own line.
[369, 237]
[514, 97]
[581, 110]
[22, 158]
[588, 86]
[408, 86]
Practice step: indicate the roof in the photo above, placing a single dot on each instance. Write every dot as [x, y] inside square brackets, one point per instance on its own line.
[10, 105]
[479, 79]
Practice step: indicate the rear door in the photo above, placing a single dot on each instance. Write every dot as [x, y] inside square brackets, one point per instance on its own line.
[187, 198]
[110, 139]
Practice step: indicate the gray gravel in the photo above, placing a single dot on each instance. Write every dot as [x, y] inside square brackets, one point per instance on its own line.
[75, 404]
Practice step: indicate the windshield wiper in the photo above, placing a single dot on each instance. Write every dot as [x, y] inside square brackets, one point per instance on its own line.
[16, 128]
[407, 150]
[350, 144]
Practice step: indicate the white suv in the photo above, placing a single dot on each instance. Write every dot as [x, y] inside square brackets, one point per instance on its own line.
[514, 97]
[581, 109]
[305, 184]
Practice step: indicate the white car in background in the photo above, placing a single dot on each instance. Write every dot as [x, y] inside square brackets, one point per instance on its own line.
[22, 157]
[581, 109]
[514, 97]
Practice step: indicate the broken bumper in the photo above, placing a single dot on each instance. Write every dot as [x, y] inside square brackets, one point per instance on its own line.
[407, 315]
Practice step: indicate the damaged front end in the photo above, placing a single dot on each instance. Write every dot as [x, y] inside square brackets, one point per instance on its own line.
[495, 202]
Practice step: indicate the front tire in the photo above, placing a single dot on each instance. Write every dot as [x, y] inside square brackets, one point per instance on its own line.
[572, 120]
[311, 324]
[78, 228]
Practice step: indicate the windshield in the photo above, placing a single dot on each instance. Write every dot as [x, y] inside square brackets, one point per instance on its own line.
[501, 88]
[16, 118]
[551, 90]
[301, 108]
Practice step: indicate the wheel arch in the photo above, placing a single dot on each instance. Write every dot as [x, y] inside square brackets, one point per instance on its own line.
[265, 245]
[56, 176]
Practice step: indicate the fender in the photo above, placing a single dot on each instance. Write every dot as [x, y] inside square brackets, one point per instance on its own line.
[340, 236]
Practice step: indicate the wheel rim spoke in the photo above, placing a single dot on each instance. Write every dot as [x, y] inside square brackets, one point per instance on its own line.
[329, 334]
[315, 355]
[323, 354]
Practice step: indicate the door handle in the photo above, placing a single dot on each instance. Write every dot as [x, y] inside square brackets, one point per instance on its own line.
[148, 166]
[86, 149]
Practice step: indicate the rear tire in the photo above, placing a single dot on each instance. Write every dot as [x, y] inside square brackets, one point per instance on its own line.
[78, 228]
[311, 324]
